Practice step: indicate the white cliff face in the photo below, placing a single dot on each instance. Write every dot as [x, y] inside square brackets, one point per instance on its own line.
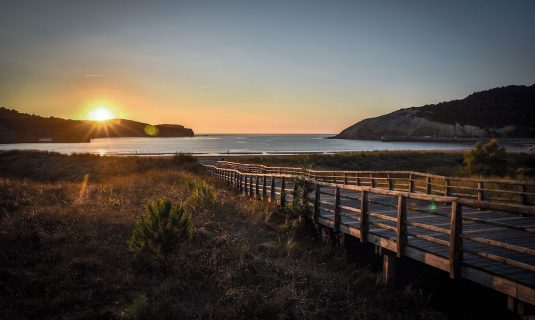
[405, 123]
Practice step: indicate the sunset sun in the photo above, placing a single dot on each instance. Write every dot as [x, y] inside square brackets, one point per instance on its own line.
[101, 113]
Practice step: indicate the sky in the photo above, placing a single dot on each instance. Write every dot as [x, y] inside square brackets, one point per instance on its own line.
[257, 66]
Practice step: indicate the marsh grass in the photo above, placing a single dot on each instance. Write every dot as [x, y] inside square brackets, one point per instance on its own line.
[63, 252]
[448, 163]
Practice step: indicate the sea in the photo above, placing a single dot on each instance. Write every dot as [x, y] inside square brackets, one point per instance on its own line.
[230, 144]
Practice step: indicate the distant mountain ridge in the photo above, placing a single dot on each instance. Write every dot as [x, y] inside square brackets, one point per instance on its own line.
[16, 127]
[507, 112]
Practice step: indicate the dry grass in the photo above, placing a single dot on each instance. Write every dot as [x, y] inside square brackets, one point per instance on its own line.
[63, 253]
[449, 163]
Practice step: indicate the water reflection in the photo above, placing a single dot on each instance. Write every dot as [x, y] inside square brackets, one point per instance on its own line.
[229, 144]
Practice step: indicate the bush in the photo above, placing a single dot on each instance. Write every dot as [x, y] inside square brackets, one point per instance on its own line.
[301, 193]
[202, 196]
[485, 159]
[300, 203]
[162, 231]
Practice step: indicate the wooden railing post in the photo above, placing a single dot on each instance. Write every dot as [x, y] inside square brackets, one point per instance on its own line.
[411, 183]
[523, 195]
[446, 187]
[345, 178]
[234, 180]
[251, 187]
[389, 181]
[357, 180]
[272, 190]
[364, 225]
[401, 226]
[317, 204]
[257, 187]
[456, 241]
[264, 190]
[337, 217]
[283, 192]
[428, 185]
[480, 193]
[294, 194]
[372, 180]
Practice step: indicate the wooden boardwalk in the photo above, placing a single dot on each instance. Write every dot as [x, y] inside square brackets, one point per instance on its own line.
[489, 243]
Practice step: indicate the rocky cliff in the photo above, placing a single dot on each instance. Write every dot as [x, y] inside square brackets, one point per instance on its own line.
[500, 112]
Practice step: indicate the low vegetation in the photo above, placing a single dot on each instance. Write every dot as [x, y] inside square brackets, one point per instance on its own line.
[448, 163]
[162, 231]
[64, 250]
[486, 159]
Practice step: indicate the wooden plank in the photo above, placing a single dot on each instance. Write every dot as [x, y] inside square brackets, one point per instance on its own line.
[503, 260]
[501, 244]
[430, 239]
[427, 258]
[431, 227]
[500, 284]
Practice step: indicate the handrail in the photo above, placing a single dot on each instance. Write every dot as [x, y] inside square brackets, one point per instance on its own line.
[497, 190]
[490, 180]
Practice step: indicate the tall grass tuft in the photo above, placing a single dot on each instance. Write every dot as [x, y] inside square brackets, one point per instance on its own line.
[202, 196]
[162, 231]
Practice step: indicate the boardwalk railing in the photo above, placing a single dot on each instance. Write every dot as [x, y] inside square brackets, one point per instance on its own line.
[490, 243]
[496, 190]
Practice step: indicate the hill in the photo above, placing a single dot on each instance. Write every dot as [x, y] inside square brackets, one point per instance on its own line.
[16, 127]
[505, 112]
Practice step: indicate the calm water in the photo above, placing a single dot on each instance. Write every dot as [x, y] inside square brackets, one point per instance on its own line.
[213, 144]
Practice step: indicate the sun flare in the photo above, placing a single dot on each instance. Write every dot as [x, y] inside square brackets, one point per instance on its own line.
[101, 113]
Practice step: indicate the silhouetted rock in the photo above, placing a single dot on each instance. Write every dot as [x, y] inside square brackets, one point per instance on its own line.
[16, 127]
[507, 112]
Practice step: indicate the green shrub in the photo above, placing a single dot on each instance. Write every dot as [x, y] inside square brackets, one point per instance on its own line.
[300, 203]
[202, 196]
[162, 231]
[301, 193]
[485, 159]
